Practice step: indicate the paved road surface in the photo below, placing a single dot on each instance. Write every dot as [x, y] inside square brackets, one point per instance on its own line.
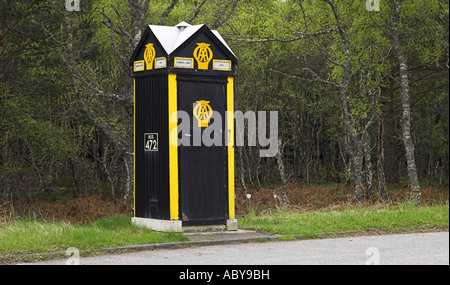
[425, 248]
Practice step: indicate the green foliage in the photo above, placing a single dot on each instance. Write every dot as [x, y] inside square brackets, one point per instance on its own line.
[289, 54]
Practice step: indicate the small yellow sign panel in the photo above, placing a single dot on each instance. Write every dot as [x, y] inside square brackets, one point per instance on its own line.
[183, 62]
[139, 66]
[160, 62]
[222, 65]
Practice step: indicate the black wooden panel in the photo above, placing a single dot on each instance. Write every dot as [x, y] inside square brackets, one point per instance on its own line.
[152, 167]
[202, 170]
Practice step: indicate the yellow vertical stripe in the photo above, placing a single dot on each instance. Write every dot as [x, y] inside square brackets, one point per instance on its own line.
[173, 148]
[230, 131]
[134, 151]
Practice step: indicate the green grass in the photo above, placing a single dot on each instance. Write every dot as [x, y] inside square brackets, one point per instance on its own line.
[386, 219]
[26, 240]
[28, 236]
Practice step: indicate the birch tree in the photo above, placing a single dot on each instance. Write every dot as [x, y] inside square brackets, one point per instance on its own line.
[405, 90]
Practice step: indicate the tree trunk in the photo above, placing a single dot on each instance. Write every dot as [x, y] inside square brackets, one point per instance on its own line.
[358, 163]
[129, 180]
[380, 167]
[369, 167]
[390, 148]
[242, 170]
[108, 175]
[349, 126]
[406, 115]
[5, 158]
[282, 173]
[74, 178]
[356, 148]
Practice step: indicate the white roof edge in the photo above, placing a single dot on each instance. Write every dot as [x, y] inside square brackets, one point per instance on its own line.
[219, 36]
[183, 24]
[173, 37]
[185, 35]
[166, 36]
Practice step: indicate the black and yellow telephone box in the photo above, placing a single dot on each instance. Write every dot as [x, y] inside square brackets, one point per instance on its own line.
[181, 179]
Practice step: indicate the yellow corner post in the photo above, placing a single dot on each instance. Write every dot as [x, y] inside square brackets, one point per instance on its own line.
[230, 131]
[173, 147]
[134, 147]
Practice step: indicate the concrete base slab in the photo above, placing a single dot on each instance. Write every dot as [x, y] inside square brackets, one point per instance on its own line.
[177, 226]
[158, 225]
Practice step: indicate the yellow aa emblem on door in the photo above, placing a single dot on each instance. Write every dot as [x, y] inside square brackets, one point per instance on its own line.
[203, 54]
[149, 56]
[203, 113]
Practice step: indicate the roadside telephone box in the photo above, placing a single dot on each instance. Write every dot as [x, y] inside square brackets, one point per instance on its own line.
[183, 100]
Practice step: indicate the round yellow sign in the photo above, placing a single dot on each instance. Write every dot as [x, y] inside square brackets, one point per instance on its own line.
[203, 112]
[203, 54]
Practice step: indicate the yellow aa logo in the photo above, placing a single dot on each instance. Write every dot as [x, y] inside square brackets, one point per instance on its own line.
[149, 56]
[203, 112]
[203, 54]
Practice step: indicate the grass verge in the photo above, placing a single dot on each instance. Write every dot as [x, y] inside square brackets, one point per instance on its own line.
[31, 240]
[24, 240]
[375, 219]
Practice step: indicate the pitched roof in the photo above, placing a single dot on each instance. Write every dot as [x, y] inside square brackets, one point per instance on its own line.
[172, 38]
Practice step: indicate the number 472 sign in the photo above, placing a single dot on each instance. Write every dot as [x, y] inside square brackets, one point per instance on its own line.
[151, 142]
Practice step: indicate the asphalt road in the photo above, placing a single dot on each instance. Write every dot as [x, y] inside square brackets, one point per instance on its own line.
[404, 249]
